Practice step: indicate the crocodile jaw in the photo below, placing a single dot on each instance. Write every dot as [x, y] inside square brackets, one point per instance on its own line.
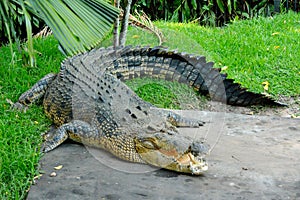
[181, 156]
[197, 165]
[188, 163]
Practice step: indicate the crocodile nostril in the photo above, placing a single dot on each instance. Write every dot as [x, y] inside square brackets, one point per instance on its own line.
[199, 148]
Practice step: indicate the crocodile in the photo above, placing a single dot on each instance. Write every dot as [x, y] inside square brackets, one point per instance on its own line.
[88, 102]
[93, 107]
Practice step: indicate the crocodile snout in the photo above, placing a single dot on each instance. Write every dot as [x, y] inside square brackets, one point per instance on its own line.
[198, 148]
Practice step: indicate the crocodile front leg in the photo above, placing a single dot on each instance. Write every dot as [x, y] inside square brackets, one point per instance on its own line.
[76, 130]
[35, 93]
[118, 143]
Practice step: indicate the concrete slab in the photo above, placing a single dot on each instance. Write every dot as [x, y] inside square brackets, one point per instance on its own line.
[255, 157]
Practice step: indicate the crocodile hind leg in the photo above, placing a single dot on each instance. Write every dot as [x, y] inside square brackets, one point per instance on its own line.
[76, 130]
[176, 120]
[179, 121]
[35, 93]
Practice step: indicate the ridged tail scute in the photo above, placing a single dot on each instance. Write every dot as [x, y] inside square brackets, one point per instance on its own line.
[236, 95]
[195, 71]
[161, 63]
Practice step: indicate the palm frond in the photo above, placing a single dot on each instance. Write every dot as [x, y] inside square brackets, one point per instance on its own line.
[7, 24]
[29, 34]
[14, 16]
[77, 24]
[144, 22]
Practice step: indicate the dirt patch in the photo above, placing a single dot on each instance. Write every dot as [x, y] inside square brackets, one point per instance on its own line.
[253, 157]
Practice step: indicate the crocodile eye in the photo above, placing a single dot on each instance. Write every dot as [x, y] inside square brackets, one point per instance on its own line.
[148, 144]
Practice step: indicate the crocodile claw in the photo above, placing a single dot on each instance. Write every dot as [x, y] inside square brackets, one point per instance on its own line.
[17, 106]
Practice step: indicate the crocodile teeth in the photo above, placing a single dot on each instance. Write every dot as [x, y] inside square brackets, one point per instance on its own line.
[192, 158]
[197, 167]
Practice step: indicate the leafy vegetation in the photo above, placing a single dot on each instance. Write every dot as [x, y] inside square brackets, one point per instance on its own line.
[13, 20]
[212, 13]
[20, 132]
[250, 51]
[95, 19]
[254, 51]
[17, 21]
[78, 25]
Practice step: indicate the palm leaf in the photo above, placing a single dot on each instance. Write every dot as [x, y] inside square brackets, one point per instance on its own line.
[6, 22]
[77, 24]
[29, 34]
[144, 22]
[221, 5]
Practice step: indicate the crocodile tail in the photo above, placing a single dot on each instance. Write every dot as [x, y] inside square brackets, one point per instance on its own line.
[234, 94]
[195, 71]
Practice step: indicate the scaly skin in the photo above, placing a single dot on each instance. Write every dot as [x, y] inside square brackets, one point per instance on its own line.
[88, 103]
[189, 69]
[95, 108]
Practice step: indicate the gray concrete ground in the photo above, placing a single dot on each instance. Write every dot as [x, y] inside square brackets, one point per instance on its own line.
[256, 157]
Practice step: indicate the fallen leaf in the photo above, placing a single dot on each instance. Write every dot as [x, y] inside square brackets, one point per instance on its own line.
[53, 174]
[224, 68]
[38, 176]
[266, 94]
[135, 36]
[276, 33]
[58, 167]
[294, 116]
[266, 85]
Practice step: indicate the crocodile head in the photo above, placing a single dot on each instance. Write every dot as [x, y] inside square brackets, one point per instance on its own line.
[173, 151]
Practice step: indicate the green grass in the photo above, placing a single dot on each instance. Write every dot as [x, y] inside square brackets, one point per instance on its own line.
[250, 49]
[263, 49]
[20, 132]
[166, 94]
[254, 51]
